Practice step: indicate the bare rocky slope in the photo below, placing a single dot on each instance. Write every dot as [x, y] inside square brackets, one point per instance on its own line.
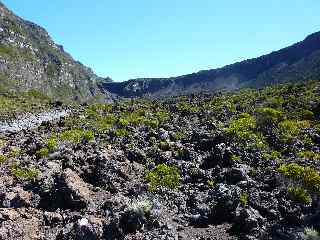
[300, 61]
[29, 59]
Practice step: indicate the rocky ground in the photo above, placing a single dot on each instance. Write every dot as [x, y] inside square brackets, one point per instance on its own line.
[241, 165]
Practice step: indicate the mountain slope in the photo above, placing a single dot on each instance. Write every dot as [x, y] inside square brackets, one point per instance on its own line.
[29, 59]
[298, 62]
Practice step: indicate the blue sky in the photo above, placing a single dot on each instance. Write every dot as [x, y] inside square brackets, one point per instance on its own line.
[126, 39]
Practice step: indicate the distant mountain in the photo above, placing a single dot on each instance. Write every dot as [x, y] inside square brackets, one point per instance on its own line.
[300, 61]
[29, 59]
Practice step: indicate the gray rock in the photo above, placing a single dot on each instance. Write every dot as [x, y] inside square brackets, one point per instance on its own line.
[17, 198]
[76, 191]
[85, 231]
[224, 200]
[250, 221]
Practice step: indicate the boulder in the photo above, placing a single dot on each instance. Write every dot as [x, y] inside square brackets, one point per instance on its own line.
[223, 201]
[85, 230]
[17, 198]
[76, 192]
[250, 221]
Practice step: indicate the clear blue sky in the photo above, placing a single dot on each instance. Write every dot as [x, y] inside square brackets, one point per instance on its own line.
[158, 38]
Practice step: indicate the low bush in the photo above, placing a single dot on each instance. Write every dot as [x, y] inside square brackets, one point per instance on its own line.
[123, 122]
[153, 123]
[3, 158]
[14, 152]
[43, 152]
[309, 155]
[24, 173]
[88, 135]
[52, 144]
[267, 116]
[120, 132]
[187, 107]
[291, 129]
[311, 234]
[271, 155]
[243, 130]
[75, 135]
[164, 176]
[244, 199]
[307, 176]
[300, 195]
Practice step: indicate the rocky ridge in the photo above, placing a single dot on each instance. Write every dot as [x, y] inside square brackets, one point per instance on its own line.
[298, 62]
[29, 59]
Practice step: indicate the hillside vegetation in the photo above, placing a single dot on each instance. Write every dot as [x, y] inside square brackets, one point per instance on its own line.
[18, 103]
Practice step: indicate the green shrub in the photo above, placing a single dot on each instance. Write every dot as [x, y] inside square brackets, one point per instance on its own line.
[15, 152]
[267, 116]
[2, 142]
[121, 132]
[271, 155]
[153, 123]
[180, 134]
[105, 122]
[3, 158]
[306, 115]
[309, 155]
[234, 158]
[292, 170]
[311, 234]
[242, 125]
[43, 152]
[52, 70]
[164, 145]
[33, 93]
[88, 135]
[75, 135]
[162, 116]
[187, 107]
[123, 122]
[211, 183]
[180, 153]
[244, 199]
[309, 177]
[135, 119]
[52, 144]
[24, 173]
[96, 110]
[274, 102]
[300, 195]
[163, 175]
[243, 129]
[8, 51]
[291, 129]
[222, 104]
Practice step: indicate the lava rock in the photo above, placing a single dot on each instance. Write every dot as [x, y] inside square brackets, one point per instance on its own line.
[84, 230]
[17, 198]
[250, 221]
[76, 191]
[224, 200]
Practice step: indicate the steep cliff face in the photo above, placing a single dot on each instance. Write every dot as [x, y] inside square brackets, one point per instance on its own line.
[300, 61]
[29, 59]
